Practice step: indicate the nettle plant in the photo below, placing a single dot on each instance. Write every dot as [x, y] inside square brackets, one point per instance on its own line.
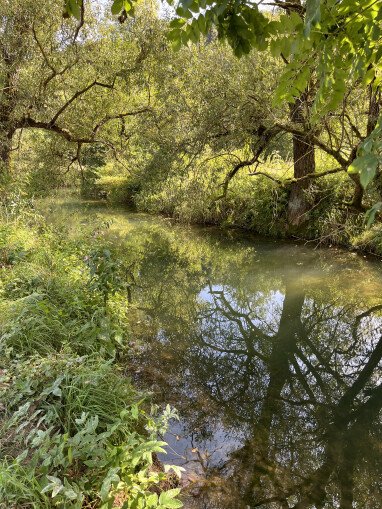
[84, 438]
[106, 273]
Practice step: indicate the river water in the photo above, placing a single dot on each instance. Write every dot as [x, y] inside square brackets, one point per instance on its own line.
[271, 353]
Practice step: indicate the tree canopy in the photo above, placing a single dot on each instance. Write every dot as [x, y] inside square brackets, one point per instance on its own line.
[333, 42]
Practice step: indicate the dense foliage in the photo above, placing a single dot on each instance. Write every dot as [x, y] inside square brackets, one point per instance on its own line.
[73, 430]
[259, 115]
[114, 103]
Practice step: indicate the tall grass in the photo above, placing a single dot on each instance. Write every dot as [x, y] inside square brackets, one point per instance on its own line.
[74, 432]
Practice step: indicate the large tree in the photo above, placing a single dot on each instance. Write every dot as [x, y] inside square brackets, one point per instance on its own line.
[328, 48]
[66, 77]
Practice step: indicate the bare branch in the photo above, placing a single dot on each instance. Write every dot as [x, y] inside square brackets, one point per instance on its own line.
[42, 51]
[336, 154]
[66, 134]
[265, 135]
[287, 6]
[270, 177]
[121, 116]
[315, 175]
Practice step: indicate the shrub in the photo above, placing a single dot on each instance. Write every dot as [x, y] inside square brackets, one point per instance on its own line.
[117, 190]
[370, 240]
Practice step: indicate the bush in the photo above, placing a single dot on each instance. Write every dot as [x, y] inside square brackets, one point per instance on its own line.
[370, 240]
[117, 190]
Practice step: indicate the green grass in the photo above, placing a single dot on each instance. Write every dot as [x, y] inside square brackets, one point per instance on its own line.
[74, 432]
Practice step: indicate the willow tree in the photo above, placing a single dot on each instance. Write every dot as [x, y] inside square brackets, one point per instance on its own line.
[57, 76]
[327, 46]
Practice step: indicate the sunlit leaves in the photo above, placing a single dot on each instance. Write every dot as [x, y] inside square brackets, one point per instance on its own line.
[117, 6]
[167, 499]
[366, 166]
[368, 160]
[73, 8]
[244, 27]
[121, 5]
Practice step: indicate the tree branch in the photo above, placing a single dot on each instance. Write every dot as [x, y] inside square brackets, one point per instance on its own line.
[265, 135]
[67, 135]
[78, 94]
[81, 22]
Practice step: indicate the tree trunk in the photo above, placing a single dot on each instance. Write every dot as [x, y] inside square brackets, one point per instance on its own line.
[7, 105]
[5, 153]
[304, 163]
[13, 51]
[358, 193]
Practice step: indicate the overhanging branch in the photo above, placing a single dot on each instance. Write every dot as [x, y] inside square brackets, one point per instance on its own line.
[52, 126]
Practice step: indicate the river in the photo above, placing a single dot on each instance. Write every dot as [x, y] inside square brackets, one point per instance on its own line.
[271, 353]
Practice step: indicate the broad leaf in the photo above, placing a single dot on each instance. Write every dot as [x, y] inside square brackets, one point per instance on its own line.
[117, 6]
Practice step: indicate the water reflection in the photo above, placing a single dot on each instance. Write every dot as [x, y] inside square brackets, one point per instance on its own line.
[272, 356]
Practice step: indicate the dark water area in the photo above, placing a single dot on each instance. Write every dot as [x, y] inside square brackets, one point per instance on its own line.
[271, 353]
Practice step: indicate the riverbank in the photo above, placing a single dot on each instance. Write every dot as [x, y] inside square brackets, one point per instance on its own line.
[74, 430]
[260, 209]
[117, 314]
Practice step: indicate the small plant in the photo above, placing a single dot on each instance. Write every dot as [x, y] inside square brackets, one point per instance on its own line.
[105, 273]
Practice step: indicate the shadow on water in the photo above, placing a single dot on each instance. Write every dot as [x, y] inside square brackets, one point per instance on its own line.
[271, 353]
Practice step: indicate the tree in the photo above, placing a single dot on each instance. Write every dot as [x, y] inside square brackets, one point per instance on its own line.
[56, 76]
[311, 90]
[341, 37]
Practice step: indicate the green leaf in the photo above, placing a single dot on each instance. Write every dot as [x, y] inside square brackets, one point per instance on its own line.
[74, 9]
[117, 6]
[70, 455]
[152, 500]
[167, 499]
[202, 24]
[366, 167]
[369, 76]
[176, 45]
[183, 13]
[177, 469]
[134, 412]
[111, 478]
[127, 5]
[370, 214]
[70, 494]
[177, 23]
[312, 16]
[174, 35]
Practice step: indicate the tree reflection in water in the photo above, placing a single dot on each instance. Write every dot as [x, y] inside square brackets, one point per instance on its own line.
[275, 370]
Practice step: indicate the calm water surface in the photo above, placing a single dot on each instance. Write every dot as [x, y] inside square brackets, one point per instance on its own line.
[271, 352]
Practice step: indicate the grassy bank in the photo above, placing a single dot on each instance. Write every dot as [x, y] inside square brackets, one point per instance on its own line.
[253, 204]
[74, 431]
